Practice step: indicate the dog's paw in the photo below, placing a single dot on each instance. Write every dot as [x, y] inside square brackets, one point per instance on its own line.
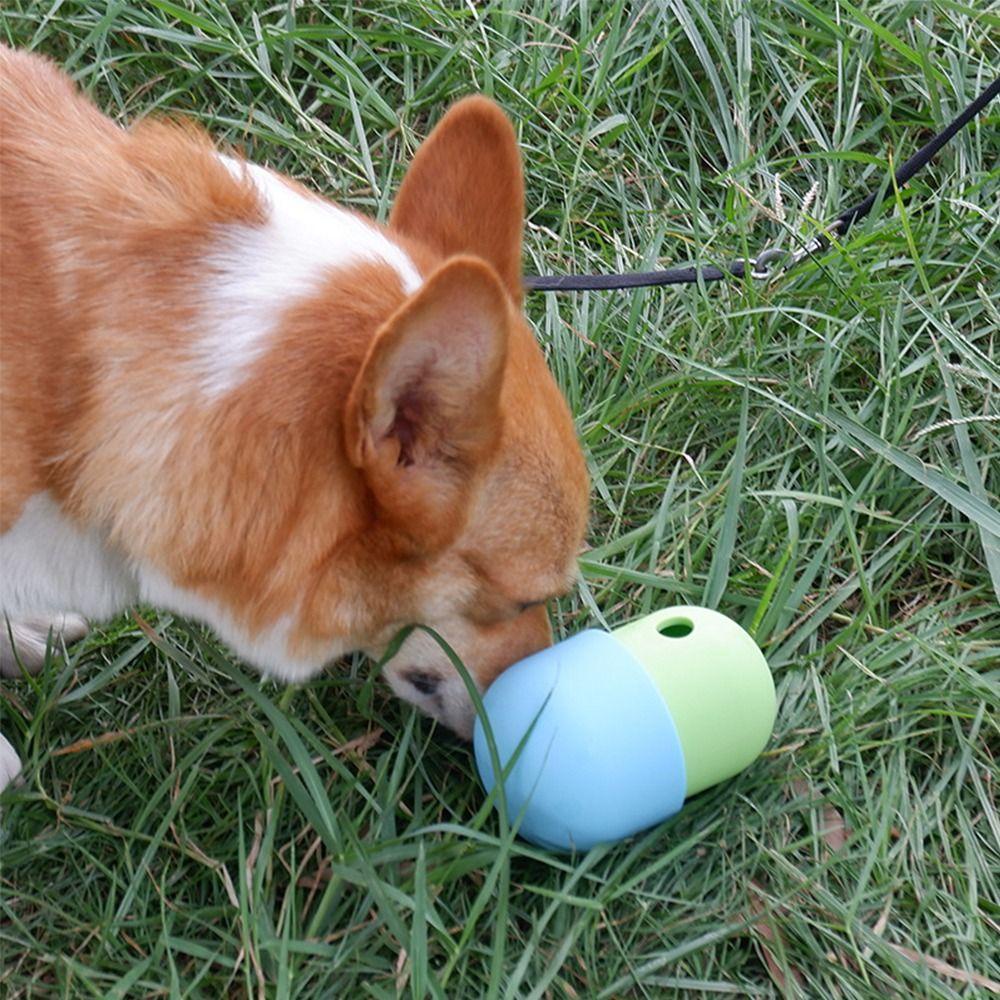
[10, 763]
[30, 635]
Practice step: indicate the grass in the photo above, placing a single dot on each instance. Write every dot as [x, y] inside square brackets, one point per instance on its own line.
[818, 456]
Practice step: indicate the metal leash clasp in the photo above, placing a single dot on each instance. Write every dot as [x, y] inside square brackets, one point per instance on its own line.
[761, 265]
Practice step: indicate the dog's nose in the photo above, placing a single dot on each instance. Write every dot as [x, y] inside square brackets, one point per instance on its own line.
[422, 681]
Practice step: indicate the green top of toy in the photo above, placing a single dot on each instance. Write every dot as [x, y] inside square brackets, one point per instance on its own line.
[716, 682]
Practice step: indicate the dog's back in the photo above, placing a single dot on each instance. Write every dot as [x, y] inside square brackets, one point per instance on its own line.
[85, 206]
[50, 137]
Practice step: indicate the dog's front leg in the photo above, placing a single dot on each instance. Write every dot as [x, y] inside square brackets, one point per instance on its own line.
[10, 763]
[24, 642]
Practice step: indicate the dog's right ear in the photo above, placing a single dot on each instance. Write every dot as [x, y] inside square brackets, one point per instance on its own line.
[424, 409]
[464, 191]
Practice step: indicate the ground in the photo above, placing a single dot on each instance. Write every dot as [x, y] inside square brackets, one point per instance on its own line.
[817, 456]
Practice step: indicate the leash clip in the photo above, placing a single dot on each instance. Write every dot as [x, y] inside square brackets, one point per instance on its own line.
[760, 266]
[817, 244]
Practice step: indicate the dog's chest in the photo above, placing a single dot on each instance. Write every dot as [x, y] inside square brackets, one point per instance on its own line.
[48, 564]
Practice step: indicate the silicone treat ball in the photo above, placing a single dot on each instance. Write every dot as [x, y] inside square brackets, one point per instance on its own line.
[618, 729]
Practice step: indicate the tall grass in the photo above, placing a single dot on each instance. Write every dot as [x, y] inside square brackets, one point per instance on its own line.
[817, 456]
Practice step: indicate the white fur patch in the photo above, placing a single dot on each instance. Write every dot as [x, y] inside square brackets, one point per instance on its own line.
[50, 566]
[10, 763]
[266, 650]
[26, 639]
[258, 272]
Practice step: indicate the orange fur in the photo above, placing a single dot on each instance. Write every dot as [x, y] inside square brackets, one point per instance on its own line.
[389, 457]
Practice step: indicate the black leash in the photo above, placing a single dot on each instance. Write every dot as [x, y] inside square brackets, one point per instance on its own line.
[762, 266]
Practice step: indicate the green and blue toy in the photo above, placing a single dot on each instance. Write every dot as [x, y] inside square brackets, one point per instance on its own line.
[609, 733]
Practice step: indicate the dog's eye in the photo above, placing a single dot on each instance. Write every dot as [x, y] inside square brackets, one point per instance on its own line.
[528, 605]
[424, 682]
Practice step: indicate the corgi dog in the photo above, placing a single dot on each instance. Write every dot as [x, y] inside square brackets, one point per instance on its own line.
[226, 396]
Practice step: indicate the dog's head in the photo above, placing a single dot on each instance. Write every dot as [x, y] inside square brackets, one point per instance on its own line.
[460, 430]
[363, 433]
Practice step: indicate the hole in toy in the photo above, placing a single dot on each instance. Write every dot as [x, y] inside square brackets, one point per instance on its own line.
[675, 628]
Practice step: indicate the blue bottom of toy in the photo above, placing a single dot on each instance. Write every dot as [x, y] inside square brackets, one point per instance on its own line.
[601, 758]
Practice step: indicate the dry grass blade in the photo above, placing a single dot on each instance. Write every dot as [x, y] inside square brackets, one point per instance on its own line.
[947, 970]
[91, 742]
[833, 830]
[769, 941]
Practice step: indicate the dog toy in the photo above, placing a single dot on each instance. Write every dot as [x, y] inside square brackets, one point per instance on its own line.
[606, 734]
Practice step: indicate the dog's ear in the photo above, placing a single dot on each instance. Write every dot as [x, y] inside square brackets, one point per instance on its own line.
[464, 193]
[424, 409]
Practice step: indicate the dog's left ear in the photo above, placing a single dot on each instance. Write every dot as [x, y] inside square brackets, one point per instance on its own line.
[424, 410]
[464, 192]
